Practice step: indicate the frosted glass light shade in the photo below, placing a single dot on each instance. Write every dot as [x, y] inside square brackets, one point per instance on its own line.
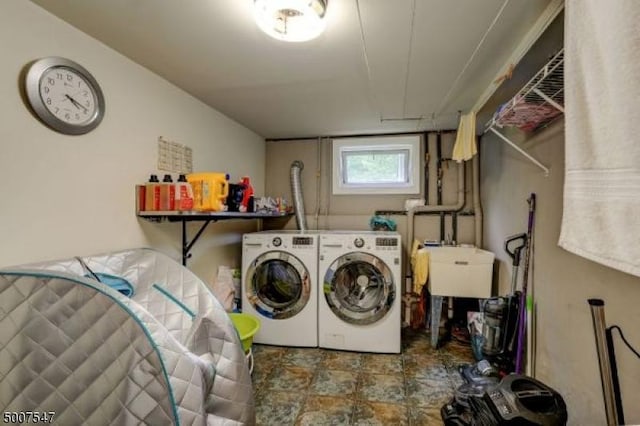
[291, 20]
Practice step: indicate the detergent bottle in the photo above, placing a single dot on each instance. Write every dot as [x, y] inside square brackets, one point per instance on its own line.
[167, 194]
[184, 194]
[247, 198]
[152, 194]
[210, 190]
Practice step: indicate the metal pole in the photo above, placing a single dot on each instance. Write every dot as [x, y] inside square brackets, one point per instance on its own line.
[614, 375]
[599, 328]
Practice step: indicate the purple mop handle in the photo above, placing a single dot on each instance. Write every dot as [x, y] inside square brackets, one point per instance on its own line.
[521, 330]
[523, 296]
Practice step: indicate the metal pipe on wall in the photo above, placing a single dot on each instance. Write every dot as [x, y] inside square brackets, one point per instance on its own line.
[360, 135]
[426, 167]
[439, 181]
[454, 227]
[477, 206]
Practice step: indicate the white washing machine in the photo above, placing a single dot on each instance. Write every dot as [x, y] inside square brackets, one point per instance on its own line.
[359, 301]
[279, 286]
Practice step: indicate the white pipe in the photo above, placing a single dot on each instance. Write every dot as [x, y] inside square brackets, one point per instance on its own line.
[435, 208]
[477, 206]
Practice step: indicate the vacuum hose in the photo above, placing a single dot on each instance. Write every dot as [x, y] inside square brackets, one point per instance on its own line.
[296, 191]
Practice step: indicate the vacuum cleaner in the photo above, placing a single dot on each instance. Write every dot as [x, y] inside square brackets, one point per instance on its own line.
[501, 313]
[515, 400]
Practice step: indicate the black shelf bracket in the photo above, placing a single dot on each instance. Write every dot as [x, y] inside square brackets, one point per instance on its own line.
[207, 218]
[187, 246]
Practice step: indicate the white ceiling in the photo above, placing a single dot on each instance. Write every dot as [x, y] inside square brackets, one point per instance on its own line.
[425, 59]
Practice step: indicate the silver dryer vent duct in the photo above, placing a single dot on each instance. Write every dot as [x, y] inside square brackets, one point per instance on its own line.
[296, 192]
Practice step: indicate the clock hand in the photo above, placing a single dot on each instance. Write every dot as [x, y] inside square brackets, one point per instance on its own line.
[75, 103]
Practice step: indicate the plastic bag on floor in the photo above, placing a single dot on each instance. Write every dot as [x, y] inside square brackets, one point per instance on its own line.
[223, 287]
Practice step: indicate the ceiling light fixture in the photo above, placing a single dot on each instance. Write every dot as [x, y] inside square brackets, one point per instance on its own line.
[291, 20]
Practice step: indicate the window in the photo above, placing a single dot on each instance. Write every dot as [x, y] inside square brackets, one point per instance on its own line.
[377, 165]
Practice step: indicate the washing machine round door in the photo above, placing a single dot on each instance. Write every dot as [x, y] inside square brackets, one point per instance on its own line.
[277, 285]
[359, 288]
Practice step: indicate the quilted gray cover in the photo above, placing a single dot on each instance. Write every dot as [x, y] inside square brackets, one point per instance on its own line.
[72, 345]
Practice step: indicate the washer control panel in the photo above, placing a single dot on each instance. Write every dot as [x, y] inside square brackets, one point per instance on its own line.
[386, 242]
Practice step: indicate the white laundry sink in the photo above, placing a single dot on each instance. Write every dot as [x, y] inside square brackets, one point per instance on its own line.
[460, 272]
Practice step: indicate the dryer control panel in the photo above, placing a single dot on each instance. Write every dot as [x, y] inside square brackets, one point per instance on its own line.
[386, 242]
[302, 241]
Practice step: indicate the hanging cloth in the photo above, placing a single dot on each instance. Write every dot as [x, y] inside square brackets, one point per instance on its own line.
[600, 219]
[465, 147]
[419, 266]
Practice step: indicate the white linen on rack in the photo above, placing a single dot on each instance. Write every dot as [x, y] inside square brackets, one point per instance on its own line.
[601, 217]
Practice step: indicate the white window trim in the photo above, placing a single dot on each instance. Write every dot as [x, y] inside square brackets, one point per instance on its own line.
[405, 142]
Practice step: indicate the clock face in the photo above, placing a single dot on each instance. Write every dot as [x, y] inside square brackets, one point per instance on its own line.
[67, 95]
[64, 95]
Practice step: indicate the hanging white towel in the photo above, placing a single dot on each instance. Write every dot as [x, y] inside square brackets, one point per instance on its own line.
[601, 217]
[465, 146]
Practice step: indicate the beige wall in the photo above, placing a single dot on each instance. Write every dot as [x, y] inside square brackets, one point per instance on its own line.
[73, 195]
[562, 282]
[327, 211]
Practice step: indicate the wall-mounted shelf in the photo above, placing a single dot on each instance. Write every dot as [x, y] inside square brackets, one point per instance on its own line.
[536, 105]
[206, 217]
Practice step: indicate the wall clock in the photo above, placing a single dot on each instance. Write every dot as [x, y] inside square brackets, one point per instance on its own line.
[64, 95]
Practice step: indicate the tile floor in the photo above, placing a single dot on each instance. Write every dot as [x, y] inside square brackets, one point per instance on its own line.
[311, 386]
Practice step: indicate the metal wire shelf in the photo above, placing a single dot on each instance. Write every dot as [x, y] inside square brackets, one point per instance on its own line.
[535, 106]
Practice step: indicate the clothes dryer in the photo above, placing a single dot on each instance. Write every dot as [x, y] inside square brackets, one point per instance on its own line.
[279, 286]
[359, 301]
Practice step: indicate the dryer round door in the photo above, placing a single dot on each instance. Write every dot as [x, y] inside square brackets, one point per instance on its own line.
[359, 288]
[277, 285]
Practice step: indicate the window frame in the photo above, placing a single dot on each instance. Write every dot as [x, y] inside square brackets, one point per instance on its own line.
[410, 143]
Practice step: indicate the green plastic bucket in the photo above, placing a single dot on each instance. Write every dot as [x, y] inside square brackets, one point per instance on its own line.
[247, 326]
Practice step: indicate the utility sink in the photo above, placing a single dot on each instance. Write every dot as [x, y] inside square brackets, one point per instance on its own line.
[457, 272]
[460, 271]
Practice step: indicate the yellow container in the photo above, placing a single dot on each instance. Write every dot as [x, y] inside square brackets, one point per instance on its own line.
[210, 191]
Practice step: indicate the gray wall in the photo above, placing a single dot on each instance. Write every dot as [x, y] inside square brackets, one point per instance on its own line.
[562, 282]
